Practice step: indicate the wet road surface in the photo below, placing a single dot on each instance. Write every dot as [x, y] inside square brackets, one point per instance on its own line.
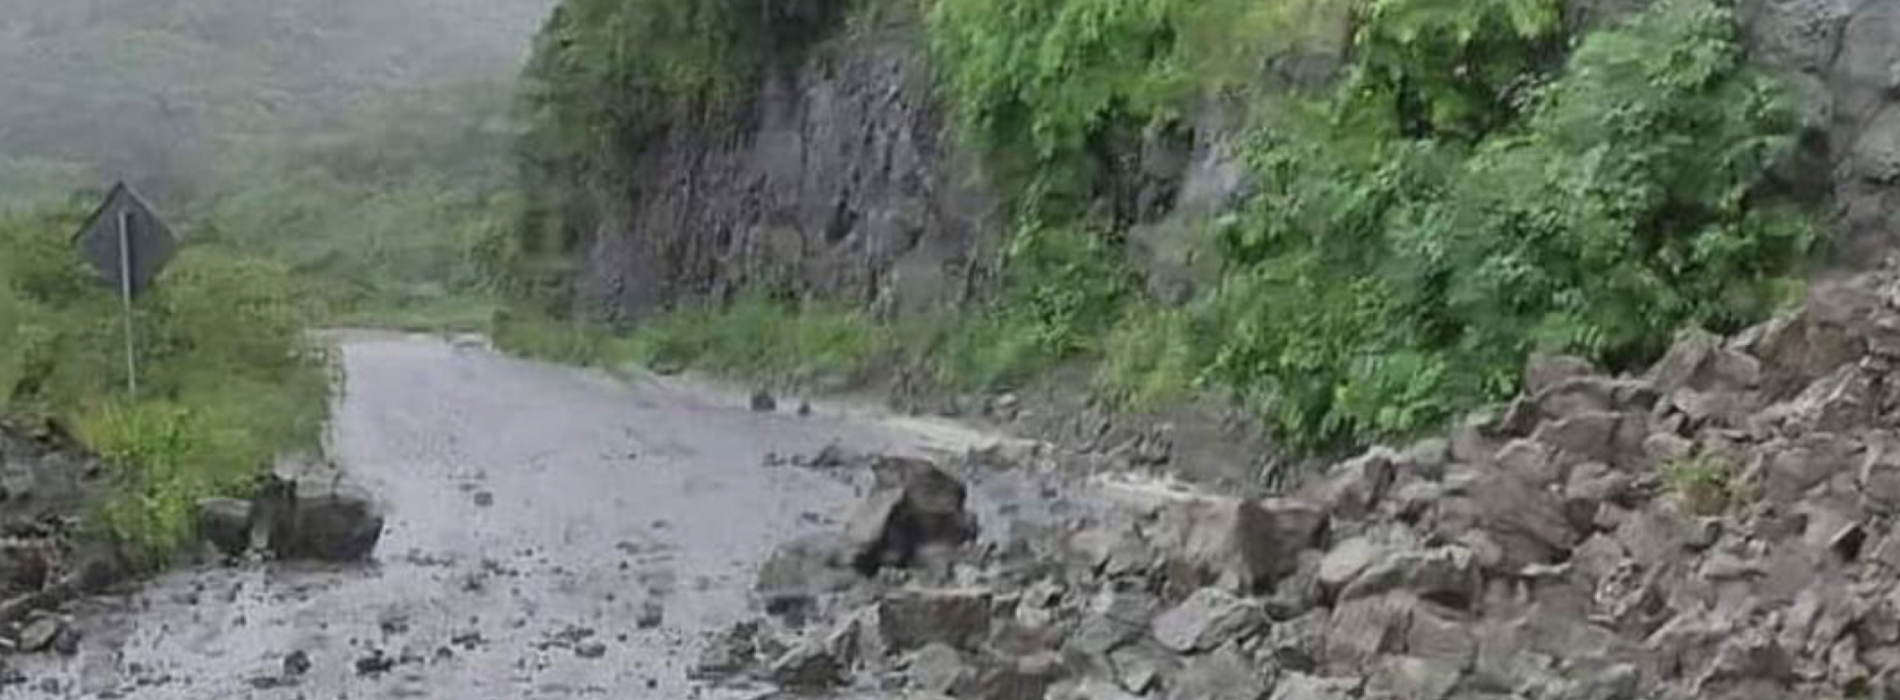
[551, 533]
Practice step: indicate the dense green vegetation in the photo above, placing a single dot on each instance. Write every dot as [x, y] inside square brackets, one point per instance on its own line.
[1470, 185]
[227, 378]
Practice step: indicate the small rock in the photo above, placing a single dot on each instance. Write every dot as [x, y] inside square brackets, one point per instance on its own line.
[376, 663]
[764, 402]
[591, 650]
[652, 615]
[296, 663]
[39, 634]
[66, 643]
[484, 499]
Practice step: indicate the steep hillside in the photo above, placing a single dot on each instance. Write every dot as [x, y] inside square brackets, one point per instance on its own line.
[1352, 218]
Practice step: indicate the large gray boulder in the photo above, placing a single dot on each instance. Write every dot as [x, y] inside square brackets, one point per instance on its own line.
[331, 521]
[913, 506]
[1207, 620]
[226, 524]
[1241, 545]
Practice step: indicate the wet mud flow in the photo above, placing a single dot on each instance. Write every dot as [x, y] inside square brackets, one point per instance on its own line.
[551, 533]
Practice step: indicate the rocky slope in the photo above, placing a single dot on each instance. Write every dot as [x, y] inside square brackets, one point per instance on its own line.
[1720, 526]
[838, 181]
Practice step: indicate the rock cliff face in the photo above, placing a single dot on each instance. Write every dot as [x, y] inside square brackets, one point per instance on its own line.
[1845, 59]
[837, 182]
[841, 181]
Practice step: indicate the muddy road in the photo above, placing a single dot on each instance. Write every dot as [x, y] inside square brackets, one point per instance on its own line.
[551, 533]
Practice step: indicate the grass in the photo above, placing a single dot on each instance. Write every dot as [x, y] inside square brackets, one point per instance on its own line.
[228, 380]
[755, 339]
[1704, 483]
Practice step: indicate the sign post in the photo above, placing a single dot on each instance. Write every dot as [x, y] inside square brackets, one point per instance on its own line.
[125, 305]
[129, 245]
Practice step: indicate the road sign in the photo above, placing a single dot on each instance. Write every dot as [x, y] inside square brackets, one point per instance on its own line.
[129, 245]
[126, 242]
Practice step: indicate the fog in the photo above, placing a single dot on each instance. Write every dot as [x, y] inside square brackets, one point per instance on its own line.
[161, 92]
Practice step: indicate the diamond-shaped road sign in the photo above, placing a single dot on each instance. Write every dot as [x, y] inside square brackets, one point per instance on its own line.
[148, 241]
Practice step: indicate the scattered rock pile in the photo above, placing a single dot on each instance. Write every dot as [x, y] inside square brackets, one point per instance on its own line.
[1721, 526]
[45, 482]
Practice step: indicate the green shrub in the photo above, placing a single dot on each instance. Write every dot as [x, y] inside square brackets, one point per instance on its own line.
[1381, 283]
[1153, 357]
[227, 379]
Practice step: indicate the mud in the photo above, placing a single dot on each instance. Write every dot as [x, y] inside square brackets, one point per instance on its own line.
[551, 533]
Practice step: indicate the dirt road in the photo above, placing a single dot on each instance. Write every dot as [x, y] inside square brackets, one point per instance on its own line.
[552, 533]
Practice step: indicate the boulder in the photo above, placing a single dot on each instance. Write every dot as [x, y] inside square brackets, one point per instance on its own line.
[797, 573]
[40, 634]
[912, 618]
[1353, 488]
[1239, 544]
[1347, 560]
[1534, 461]
[1528, 524]
[1114, 619]
[1208, 619]
[1091, 689]
[1445, 575]
[940, 668]
[1791, 467]
[1840, 402]
[1542, 371]
[1024, 678]
[1365, 629]
[329, 522]
[226, 524]
[810, 665]
[1300, 686]
[913, 506]
[1796, 350]
[1699, 361]
[1221, 675]
[1413, 678]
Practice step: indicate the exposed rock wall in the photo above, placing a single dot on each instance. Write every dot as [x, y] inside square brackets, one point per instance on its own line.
[1845, 56]
[838, 181]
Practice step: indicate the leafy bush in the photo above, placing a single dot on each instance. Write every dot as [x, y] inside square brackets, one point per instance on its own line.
[1381, 282]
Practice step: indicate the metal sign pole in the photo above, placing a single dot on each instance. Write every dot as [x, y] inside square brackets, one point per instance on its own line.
[125, 298]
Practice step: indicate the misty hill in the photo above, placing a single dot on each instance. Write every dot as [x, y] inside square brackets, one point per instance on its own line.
[159, 91]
